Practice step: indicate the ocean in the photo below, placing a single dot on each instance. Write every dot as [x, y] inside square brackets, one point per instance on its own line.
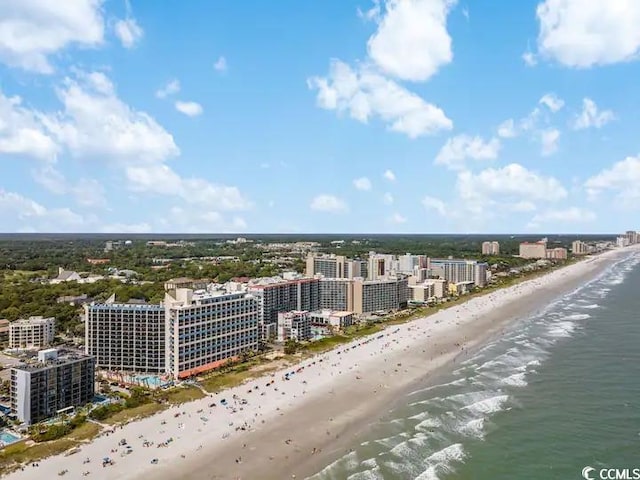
[556, 392]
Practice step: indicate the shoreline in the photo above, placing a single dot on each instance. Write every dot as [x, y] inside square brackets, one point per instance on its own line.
[330, 401]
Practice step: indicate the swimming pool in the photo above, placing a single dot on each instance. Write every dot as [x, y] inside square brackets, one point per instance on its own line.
[7, 438]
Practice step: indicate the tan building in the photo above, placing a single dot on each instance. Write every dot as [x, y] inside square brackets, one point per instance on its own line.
[185, 282]
[330, 266]
[557, 253]
[579, 248]
[533, 250]
[490, 248]
[295, 325]
[33, 332]
[339, 320]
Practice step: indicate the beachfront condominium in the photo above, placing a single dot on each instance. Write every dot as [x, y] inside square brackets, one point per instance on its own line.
[53, 385]
[385, 294]
[408, 263]
[276, 295]
[204, 330]
[126, 337]
[531, 250]
[336, 294]
[433, 288]
[456, 271]
[558, 253]
[381, 265]
[334, 266]
[295, 325]
[490, 248]
[32, 333]
[579, 247]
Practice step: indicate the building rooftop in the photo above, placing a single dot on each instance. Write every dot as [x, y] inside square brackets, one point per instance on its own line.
[63, 357]
[33, 320]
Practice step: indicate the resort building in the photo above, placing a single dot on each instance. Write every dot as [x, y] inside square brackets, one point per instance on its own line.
[337, 320]
[557, 253]
[205, 330]
[184, 282]
[381, 265]
[332, 266]
[126, 337]
[533, 250]
[454, 271]
[408, 263]
[33, 332]
[490, 248]
[336, 294]
[65, 276]
[294, 325]
[276, 295]
[433, 288]
[380, 295]
[53, 385]
[580, 248]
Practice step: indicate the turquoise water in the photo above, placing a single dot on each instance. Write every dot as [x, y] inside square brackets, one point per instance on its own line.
[558, 391]
[6, 438]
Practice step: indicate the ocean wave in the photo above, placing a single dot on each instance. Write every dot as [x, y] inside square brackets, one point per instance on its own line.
[372, 474]
[516, 380]
[441, 462]
[577, 316]
[590, 306]
[561, 329]
[428, 424]
[473, 428]
[439, 385]
[488, 405]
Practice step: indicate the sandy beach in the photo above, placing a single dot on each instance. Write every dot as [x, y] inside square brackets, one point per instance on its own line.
[294, 422]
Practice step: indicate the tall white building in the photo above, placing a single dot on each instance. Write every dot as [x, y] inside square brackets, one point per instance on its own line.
[381, 265]
[456, 271]
[204, 330]
[126, 337]
[32, 332]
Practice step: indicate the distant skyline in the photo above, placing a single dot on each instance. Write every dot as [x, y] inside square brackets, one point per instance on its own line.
[375, 116]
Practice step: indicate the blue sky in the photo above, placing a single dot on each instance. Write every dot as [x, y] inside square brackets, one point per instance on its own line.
[416, 116]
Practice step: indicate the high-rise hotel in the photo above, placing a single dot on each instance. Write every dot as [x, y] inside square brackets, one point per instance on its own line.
[205, 330]
[126, 337]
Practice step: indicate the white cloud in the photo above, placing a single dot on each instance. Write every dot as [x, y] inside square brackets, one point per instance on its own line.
[523, 206]
[169, 89]
[143, 227]
[389, 175]
[591, 117]
[162, 180]
[363, 94]
[552, 102]
[96, 123]
[529, 59]
[372, 14]
[328, 203]
[561, 216]
[432, 203]
[362, 183]
[585, 33]
[507, 129]
[191, 109]
[32, 216]
[387, 198]
[412, 41]
[51, 179]
[508, 185]
[188, 220]
[128, 32]
[462, 147]
[398, 219]
[31, 31]
[22, 132]
[89, 193]
[221, 64]
[549, 139]
[622, 179]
